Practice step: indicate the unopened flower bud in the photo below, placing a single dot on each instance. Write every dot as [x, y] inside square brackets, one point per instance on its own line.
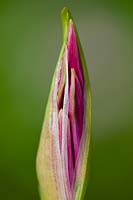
[62, 159]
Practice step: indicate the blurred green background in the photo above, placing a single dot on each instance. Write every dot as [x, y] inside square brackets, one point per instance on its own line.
[30, 41]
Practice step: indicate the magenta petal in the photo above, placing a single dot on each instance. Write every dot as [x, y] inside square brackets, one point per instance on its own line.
[73, 54]
[75, 136]
[70, 154]
[79, 111]
[76, 93]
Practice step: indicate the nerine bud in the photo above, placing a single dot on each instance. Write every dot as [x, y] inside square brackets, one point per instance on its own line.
[62, 159]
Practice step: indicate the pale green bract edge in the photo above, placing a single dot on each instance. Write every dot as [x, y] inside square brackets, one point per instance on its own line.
[66, 17]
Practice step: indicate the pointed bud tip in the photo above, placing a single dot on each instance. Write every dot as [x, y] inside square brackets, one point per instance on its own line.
[66, 19]
[66, 12]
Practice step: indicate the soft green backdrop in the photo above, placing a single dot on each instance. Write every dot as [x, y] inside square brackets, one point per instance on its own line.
[30, 40]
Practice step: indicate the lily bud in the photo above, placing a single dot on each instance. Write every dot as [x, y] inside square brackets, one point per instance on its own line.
[62, 159]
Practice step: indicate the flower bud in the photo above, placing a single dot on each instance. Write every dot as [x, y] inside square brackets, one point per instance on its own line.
[62, 159]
